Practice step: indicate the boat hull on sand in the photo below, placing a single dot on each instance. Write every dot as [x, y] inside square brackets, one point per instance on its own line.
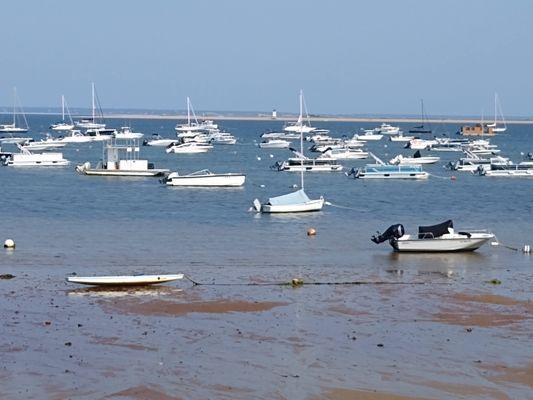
[124, 280]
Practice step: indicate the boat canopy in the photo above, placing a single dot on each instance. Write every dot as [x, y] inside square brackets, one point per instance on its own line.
[434, 231]
[297, 197]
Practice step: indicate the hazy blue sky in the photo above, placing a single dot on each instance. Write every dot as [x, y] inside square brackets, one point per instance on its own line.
[372, 56]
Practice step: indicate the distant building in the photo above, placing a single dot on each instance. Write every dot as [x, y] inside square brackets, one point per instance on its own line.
[477, 130]
[274, 114]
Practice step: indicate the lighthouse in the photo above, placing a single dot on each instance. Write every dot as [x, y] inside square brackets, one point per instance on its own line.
[274, 114]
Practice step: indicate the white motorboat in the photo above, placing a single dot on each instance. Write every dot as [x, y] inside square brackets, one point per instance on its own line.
[420, 144]
[295, 202]
[205, 178]
[75, 136]
[121, 158]
[380, 170]
[279, 135]
[275, 144]
[416, 159]
[192, 124]
[298, 164]
[125, 132]
[387, 129]
[19, 124]
[158, 141]
[188, 148]
[100, 134]
[28, 159]
[92, 123]
[435, 238]
[43, 144]
[344, 153]
[10, 139]
[63, 125]
[124, 280]
[401, 138]
[216, 136]
[523, 169]
[368, 135]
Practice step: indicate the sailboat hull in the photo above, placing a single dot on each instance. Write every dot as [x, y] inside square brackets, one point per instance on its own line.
[308, 206]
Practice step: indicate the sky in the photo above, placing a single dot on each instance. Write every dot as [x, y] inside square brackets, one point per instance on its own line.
[349, 57]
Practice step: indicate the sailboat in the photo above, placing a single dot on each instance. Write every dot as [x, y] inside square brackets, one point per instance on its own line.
[92, 123]
[297, 201]
[421, 128]
[11, 128]
[191, 128]
[63, 126]
[497, 108]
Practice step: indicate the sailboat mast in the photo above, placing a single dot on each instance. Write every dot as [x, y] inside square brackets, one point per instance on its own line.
[14, 104]
[63, 108]
[93, 104]
[188, 112]
[301, 141]
[495, 110]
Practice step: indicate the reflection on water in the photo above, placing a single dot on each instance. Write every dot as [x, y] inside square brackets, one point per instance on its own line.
[124, 291]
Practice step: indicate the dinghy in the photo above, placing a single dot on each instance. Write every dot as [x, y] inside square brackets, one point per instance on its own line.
[434, 238]
[123, 280]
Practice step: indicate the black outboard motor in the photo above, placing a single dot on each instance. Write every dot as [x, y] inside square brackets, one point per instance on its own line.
[393, 232]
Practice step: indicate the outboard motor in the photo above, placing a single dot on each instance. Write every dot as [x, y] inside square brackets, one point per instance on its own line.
[393, 232]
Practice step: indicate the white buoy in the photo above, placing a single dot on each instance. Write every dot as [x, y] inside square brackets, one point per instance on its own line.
[258, 158]
[527, 249]
[9, 244]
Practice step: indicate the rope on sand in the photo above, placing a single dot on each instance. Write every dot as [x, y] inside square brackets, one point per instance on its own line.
[299, 282]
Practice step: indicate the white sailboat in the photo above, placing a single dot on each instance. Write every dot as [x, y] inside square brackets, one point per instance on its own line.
[190, 126]
[63, 125]
[92, 122]
[13, 127]
[497, 109]
[297, 201]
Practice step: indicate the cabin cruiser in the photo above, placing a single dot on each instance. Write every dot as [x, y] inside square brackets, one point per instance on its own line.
[98, 135]
[28, 159]
[220, 137]
[75, 136]
[368, 135]
[44, 144]
[344, 153]
[420, 144]
[204, 178]
[387, 129]
[125, 132]
[274, 144]
[381, 170]
[188, 148]
[435, 238]
[401, 138]
[121, 158]
[303, 163]
[416, 159]
[472, 162]
[279, 135]
[158, 141]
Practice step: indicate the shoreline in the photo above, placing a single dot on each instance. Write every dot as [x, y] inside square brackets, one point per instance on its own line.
[333, 118]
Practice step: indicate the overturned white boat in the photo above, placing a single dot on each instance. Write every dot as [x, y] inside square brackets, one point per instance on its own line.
[205, 178]
[435, 238]
[123, 280]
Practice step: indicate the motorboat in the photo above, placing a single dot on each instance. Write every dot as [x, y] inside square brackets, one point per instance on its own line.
[26, 158]
[304, 163]
[420, 144]
[435, 238]
[188, 148]
[75, 136]
[100, 134]
[63, 125]
[204, 178]
[121, 158]
[20, 123]
[273, 134]
[344, 153]
[387, 129]
[381, 170]
[92, 123]
[298, 201]
[416, 159]
[523, 169]
[471, 162]
[158, 141]
[368, 135]
[220, 137]
[43, 144]
[125, 132]
[10, 139]
[401, 138]
[274, 144]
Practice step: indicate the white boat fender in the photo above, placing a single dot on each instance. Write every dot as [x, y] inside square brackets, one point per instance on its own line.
[9, 244]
